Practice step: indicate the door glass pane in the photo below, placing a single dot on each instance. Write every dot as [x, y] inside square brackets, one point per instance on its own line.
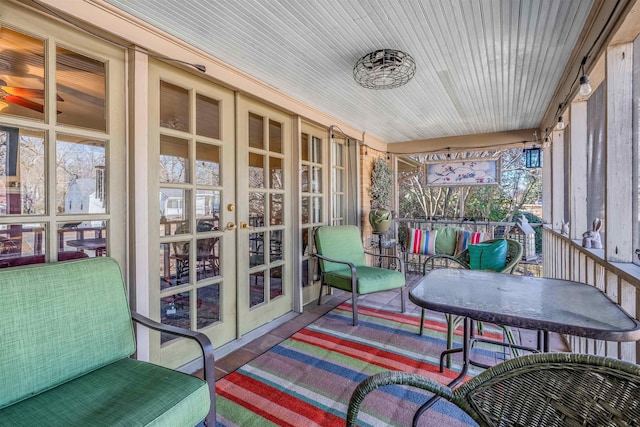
[256, 131]
[174, 159]
[207, 117]
[316, 180]
[208, 164]
[22, 77]
[208, 305]
[82, 239]
[80, 175]
[22, 244]
[304, 147]
[317, 210]
[256, 171]
[275, 282]
[174, 210]
[256, 209]
[256, 288]
[275, 136]
[316, 150]
[81, 86]
[23, 181]
[338, 182]
[304, 179]
[256, 249]
[174, 107]
[174, 311]
[277, 209]
[275, 173]
[207, 258]
[276, 245]
[207, 210]
[304, 211]
[174, 264]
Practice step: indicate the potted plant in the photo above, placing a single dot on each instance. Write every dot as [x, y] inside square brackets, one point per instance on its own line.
[381, 181]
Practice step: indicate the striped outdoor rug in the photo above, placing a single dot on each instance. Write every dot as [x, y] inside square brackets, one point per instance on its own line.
[308, 379]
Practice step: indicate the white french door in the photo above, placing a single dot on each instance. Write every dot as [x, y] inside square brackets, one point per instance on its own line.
[264, 195]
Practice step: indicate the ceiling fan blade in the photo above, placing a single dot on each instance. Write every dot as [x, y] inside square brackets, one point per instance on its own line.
[27, 93]
[24, 103]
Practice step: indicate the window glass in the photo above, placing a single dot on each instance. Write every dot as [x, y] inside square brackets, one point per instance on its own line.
[174, 159]
[22, 244]
[207, 164]
[81, 175]
[81, 87]
[23, 180]
[174, 107]
[21, 75]
[256, 131]
[207, 117]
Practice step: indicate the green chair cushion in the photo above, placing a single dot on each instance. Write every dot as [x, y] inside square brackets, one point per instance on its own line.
[53, 330]
[446, 240]
[370, 279]
[488, 256]
[342, 242]
[125, 393]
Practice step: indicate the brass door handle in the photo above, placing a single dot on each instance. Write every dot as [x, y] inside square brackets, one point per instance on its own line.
[245, 226]
[230, 226]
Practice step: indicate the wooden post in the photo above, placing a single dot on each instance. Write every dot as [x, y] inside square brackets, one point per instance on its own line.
[619, 160]
[578, 172]
[557, 179]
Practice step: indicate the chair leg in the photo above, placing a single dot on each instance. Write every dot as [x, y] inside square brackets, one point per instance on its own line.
[354, 304]
[321, 285]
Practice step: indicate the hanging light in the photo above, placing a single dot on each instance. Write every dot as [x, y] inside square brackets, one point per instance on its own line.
[532, 157]
[560, 125]
[384, 69]
[585, 87]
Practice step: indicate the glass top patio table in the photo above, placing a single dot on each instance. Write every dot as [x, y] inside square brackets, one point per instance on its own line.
[551, 305]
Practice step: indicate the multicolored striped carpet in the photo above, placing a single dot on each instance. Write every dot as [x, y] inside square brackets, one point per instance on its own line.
[308, 379]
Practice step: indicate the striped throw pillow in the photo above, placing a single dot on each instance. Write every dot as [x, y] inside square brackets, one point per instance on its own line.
[466, 238]
[421, 241]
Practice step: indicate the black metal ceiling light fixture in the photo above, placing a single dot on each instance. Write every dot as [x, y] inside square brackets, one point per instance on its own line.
[384, 69]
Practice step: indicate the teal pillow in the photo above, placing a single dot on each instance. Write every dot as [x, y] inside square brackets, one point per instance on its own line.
[488, 256]
[446, 240]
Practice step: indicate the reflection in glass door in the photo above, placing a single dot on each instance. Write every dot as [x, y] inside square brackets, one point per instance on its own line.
[264, 276]
[194, 173]
[313, 207]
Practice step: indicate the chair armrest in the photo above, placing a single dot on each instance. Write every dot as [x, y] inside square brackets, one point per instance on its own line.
[396, 257]
[445, 257]
[207, 353]
[392, 377]
[324, 258]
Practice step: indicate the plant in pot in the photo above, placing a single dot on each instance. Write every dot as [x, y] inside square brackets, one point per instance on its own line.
[380, 215]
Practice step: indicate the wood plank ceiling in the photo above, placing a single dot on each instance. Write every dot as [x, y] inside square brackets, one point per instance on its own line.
[481, 65]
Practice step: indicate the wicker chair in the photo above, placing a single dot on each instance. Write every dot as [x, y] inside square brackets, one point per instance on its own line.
[551, 389]
[462, 260]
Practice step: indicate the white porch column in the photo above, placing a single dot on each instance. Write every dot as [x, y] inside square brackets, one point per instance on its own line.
[546, 184]
[557, 179]
[139, 192]
[619, 160]
[578, 172]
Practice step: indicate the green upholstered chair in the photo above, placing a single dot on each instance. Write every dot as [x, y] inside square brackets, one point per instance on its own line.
[66, 340]
[463, 260]
[343, 265]
[551, 389]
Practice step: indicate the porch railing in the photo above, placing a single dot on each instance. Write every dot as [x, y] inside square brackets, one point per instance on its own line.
[567, 259]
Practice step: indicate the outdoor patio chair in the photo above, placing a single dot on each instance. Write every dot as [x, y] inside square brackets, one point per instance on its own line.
[463, 260]
[550, 389]
[343, 265]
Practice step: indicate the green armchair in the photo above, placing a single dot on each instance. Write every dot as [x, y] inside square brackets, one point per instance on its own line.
[551, 389]
[463, 260]
[343, 265]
